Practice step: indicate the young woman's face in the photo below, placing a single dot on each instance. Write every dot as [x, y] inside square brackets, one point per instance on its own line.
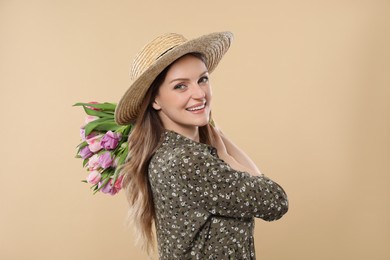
[183, 99]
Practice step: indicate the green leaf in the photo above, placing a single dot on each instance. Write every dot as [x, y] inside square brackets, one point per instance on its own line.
[95, 187]
[124, 130]
[94, 124]
[127, 129]
[107, 173]
[92, 112]
[106, 106]
[107, 126]
[81, 146]
[118, 170]
[123, 156]
[85, 162]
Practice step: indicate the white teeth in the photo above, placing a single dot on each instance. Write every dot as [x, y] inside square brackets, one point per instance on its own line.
[196, 108]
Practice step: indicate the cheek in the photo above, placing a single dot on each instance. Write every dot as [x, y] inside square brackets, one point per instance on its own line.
[175, 102]
[209, 96]
[209, 92]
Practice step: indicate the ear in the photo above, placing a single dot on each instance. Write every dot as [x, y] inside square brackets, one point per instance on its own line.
[156, 105]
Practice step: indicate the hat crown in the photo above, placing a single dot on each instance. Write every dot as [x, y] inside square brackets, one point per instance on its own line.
[151, 52]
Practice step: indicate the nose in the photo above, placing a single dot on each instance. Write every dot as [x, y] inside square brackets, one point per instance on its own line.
[198, 92]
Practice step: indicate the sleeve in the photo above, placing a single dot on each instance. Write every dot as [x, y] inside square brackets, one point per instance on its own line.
[223, 191]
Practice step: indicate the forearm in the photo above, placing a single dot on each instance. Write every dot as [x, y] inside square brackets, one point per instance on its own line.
[227, 158]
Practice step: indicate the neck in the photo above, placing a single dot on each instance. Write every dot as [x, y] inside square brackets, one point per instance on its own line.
[191, 133]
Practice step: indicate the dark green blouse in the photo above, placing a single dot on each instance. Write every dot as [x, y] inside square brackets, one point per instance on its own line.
[204, 208]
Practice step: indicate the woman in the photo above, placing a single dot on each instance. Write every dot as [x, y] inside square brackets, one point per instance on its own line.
[182, 174]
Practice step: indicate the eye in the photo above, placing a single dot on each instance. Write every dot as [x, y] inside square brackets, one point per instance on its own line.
[203, 79]
[179, 86]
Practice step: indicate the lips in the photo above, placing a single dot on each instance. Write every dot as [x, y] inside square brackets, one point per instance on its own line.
[196, 107]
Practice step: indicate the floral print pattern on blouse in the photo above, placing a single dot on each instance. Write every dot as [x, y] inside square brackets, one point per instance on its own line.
[204, 208]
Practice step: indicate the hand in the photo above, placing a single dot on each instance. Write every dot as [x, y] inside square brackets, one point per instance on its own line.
[217, 141]
[231, 153]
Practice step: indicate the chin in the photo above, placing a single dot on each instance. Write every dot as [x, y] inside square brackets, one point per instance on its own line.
[203, 123]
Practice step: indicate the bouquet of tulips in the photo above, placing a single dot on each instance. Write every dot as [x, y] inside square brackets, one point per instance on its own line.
[103, 147]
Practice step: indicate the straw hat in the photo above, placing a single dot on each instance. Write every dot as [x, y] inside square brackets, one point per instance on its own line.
[156, 56]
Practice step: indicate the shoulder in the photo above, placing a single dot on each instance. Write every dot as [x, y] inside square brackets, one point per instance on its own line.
[168, 154]
[177, 153]
[170, 164]
[176, 146]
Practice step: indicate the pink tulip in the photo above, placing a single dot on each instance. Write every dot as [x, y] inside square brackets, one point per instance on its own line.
[114, 191]
[92, 134]
[89, 119]
[118, 183]
[93, 162]
[94, 143]
[115, 163]
[94, 177]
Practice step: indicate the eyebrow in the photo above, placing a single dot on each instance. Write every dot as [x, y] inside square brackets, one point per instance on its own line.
[186, 79]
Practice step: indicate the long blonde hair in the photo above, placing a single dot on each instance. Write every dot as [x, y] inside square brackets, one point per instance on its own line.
[143, 142]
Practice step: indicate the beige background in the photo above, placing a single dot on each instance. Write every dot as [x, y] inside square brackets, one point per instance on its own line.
[304, 90]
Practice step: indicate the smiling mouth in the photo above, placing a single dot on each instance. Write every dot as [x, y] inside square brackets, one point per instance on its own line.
[197, 108]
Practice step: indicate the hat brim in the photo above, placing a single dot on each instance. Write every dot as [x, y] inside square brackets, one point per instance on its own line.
[213, 46]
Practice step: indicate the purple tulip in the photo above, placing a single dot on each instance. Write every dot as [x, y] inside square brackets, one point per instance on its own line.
[110, 189]
[110, 140]
[85, 152]
[82, 134]
[107, 188]
[105, 160]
